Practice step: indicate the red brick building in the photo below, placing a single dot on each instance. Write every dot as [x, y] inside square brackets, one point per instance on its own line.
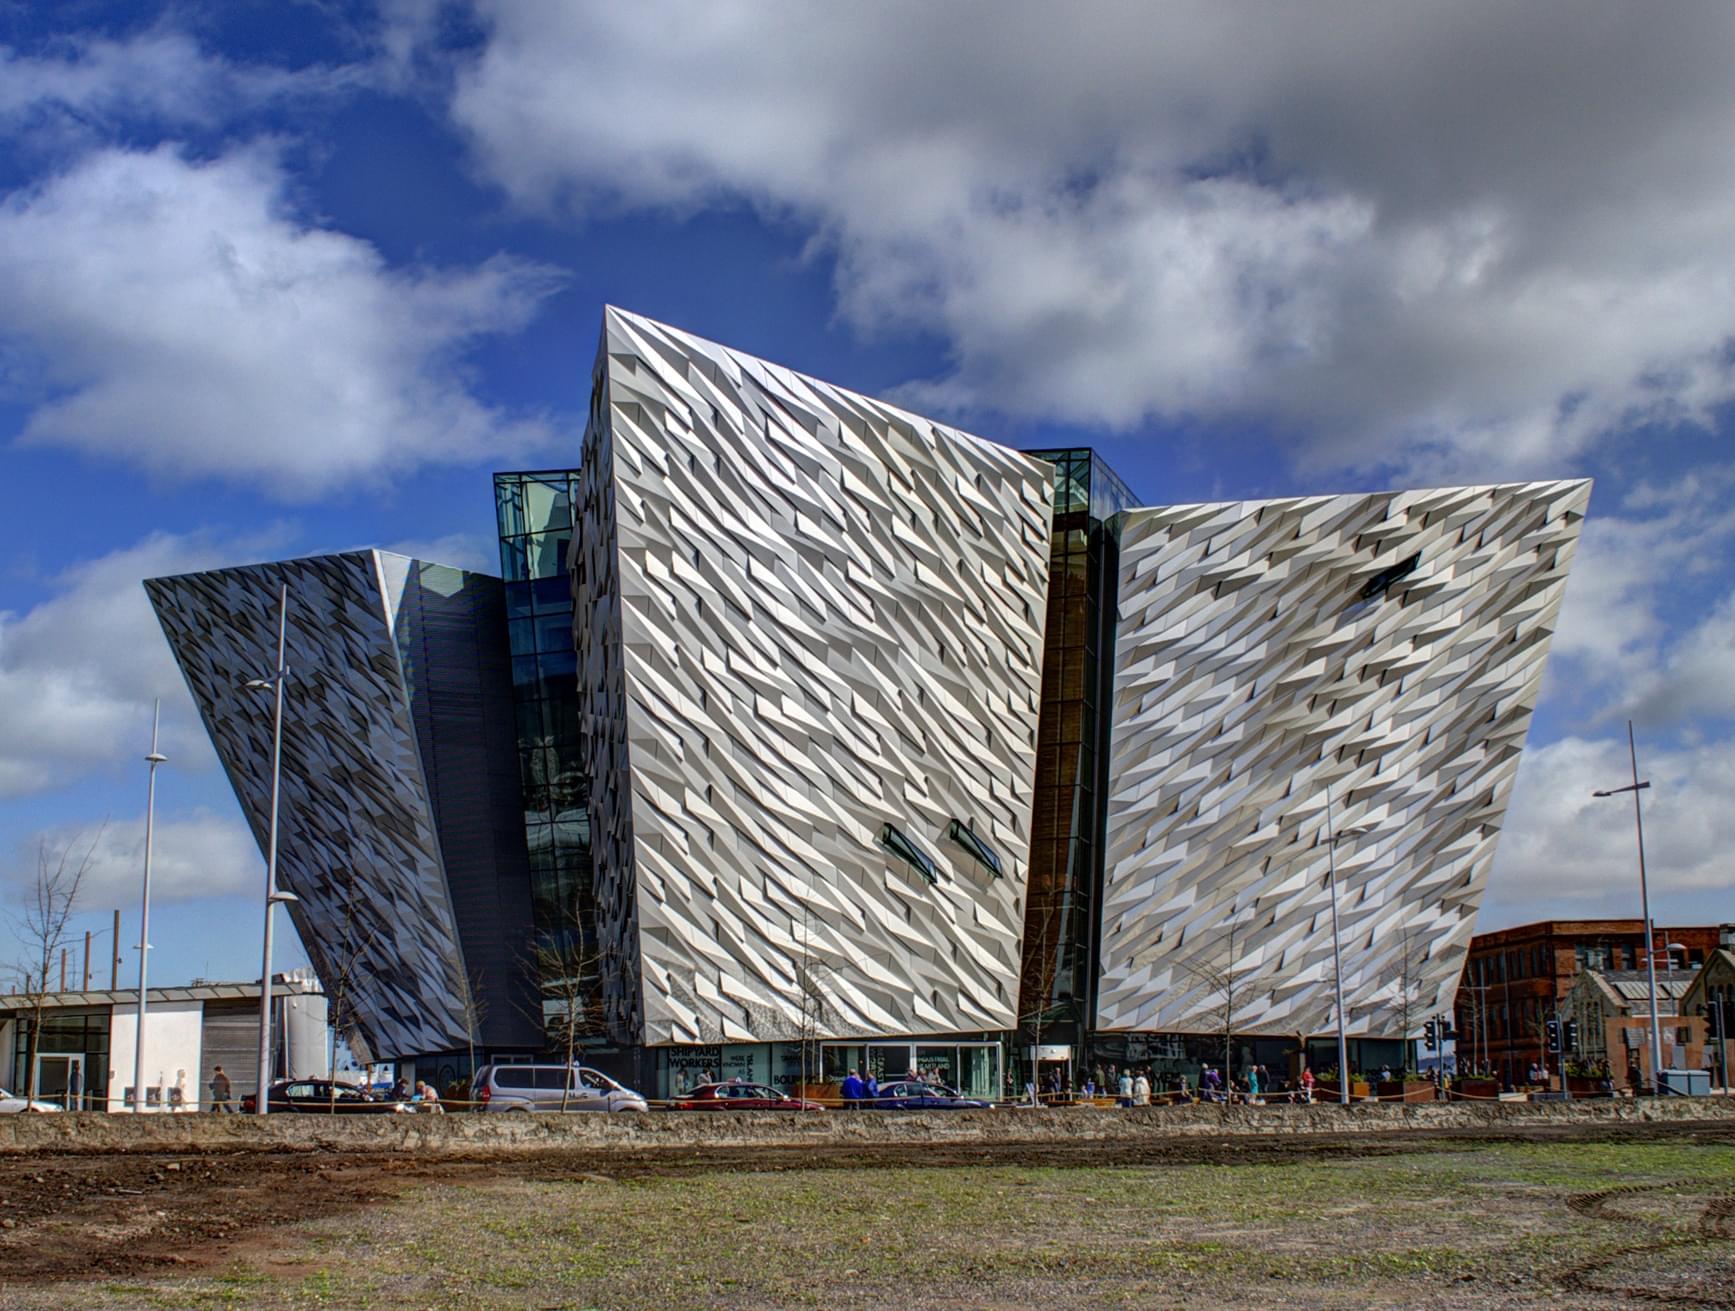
[1514, 979]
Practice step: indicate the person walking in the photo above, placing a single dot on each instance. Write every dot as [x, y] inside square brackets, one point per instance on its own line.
[1141, 1090]
[1307, 1085]
[1125, 1089]
[221, 1092]
[852, 1088]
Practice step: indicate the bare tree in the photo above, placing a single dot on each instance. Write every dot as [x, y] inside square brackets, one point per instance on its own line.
[1036, 981]
[1219, 978]
[345, 958]
[1414, 955]
[473, 1002]
[568, 971]
[815, 1015]
[41, 921]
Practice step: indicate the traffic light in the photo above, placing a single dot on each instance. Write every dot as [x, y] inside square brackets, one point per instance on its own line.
[1431, 1035]
[1553, 1033]
[1571, 1035]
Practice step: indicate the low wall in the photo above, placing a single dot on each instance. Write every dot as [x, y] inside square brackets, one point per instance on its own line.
[491, 1135]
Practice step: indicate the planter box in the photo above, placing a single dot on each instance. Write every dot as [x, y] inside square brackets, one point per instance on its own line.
[1406, 1090]
[1479, 1090]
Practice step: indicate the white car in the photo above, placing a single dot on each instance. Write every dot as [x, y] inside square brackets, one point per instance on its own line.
[11, 1104]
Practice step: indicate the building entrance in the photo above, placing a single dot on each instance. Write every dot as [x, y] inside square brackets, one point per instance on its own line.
[60, 1079]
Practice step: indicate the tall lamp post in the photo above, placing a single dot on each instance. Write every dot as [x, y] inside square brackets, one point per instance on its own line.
[1333, 837]
[154, 759]
[1636, 787]
[262, 1098]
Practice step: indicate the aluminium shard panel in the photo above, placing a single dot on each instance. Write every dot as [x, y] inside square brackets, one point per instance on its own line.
[1386, 648]
[358, 844]
[802, 615]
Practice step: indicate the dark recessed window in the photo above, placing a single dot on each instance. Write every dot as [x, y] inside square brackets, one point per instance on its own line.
[967, 839]
[900, 846]
[1381, 583]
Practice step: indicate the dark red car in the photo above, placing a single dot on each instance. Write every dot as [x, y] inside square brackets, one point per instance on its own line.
[741, 1097]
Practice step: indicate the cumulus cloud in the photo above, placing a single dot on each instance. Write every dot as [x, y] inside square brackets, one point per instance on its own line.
[179, 314]
[1647, 629]
[1566, 853]
[195, 854]
[79, 671]
[1473, 237]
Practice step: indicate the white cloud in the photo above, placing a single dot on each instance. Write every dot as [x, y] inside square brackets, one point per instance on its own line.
[78, 672]
[86, 83]
[1577, 855]
[1622, 643]
[183, 317]
[1465, 238]
[196, 854]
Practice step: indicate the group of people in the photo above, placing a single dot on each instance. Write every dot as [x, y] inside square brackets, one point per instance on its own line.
[1138, 1085]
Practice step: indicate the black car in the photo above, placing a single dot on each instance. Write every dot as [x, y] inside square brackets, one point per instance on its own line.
[320, 1097]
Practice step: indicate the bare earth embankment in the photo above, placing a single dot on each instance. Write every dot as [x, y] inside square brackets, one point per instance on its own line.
[1509, 1206]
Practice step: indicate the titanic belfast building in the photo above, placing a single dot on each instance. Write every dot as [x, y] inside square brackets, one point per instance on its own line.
[807, 733]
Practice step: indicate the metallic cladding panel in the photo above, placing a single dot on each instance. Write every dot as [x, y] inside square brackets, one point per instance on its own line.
[359, 844]
[1251, 674]
[803, 615]
[450, 628]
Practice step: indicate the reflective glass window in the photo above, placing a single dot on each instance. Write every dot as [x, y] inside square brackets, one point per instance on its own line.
[547, 505]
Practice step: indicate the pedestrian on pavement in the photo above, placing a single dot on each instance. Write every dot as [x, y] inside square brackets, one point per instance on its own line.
[1141, 1090]
[221, 1091]
[853, 1088]
[1126, 1089]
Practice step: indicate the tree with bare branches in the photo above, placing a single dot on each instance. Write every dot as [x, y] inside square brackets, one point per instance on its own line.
[345, 958]
[568, 972]
[1041, 959]
[815, 1016]
[1219, 977]
[1408, 987]
[42, 924]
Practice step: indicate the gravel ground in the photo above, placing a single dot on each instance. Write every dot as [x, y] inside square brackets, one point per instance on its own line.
[1585, 1216]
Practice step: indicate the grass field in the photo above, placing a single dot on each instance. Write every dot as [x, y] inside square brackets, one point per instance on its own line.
[1510, 1224]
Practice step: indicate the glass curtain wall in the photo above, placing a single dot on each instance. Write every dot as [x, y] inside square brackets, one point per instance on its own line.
[1058, 975]
[535, 519]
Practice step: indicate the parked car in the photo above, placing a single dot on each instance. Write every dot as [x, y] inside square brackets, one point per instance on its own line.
[320, 1097]
[12, 1104]
[736, 1096]
[544, 1087]
[915, 1095]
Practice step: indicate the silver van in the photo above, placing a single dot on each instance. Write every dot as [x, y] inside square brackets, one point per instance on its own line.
[541, 1088]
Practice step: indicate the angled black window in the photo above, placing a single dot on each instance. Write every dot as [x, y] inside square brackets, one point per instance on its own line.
[895, 842]
[967, 839]
[1381, 582]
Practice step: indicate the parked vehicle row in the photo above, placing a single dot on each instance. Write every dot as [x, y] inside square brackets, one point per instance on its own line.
[527, 1088]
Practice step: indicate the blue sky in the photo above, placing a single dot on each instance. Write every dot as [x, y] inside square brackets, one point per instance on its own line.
[284, 277]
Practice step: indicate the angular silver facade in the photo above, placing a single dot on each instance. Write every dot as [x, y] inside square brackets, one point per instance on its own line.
[1386, 647]
[398, 815]
[802, 615]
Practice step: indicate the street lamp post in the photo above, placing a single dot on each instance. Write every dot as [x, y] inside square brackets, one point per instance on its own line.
[154, 759]
[1333, 837]
[1636, 787]
[261, 1098]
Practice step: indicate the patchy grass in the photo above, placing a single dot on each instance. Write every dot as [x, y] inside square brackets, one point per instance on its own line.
[1505, 1224]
